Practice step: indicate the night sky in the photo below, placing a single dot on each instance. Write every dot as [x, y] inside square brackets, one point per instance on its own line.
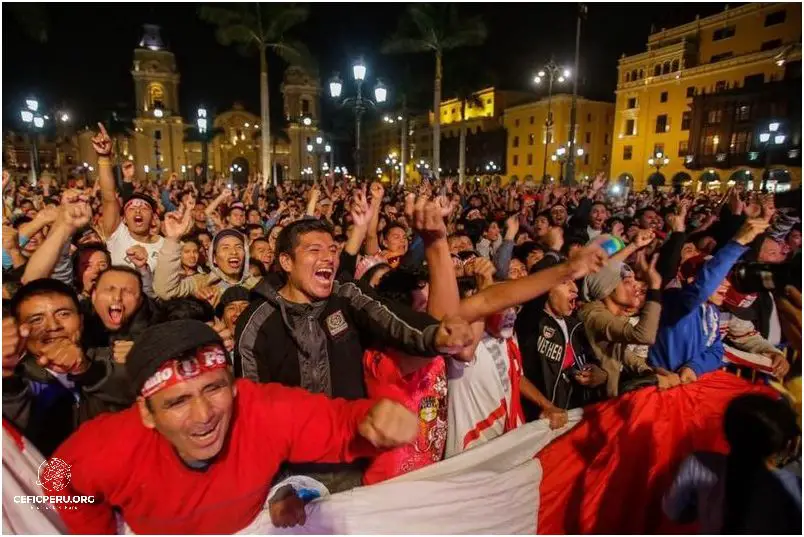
[84, 65]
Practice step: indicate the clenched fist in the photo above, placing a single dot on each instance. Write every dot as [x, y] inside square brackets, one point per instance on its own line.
[13, 345]
[120, 350]
[389, 424]
[63, 356]
[453, 335]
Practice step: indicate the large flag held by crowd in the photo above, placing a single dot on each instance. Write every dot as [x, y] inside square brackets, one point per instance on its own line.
[605, 472]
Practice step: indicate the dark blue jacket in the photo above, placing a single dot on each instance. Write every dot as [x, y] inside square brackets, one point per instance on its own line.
[689, 334]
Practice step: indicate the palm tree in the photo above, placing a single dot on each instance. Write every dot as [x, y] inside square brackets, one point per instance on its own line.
[119, 124]
[261, 27]
[435, 28]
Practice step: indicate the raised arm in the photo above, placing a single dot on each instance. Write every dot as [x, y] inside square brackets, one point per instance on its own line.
[372, 239]
[428, 220]
[110, 219]
[73, 215]
[514, 292]
[715, 270]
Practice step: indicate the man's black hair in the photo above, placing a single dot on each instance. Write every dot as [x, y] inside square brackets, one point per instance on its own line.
[22, 219]
[466, 285]
[121, 268]
[398, 285]
[391, 225]
[258, 239]
[289, 237]
[249, 227]
[177, 309]
[522, 251]
[42, 286]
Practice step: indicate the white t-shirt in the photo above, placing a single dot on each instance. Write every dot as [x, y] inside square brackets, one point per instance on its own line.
[121, 240]
[479, 396]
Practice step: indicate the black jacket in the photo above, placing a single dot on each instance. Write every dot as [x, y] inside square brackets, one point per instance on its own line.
[543, 345]
[269, 349]
[47, 412]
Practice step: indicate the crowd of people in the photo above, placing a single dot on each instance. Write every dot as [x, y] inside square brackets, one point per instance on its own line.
[237, 346]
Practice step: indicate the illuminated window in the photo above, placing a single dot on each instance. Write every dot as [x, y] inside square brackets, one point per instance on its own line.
[628, 151]
[156, 95]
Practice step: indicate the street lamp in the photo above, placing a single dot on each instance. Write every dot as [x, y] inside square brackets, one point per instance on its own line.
[321, 147]
[770, 139]
[658, 161]
[401, 118]
[202, 122]
[33, 124]
[550, 73]
[359, 103]
[562, 157]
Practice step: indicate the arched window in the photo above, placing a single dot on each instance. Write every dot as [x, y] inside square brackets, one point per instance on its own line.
[641, 74]
[657, 70]
[628, 77]
[634, 74]
[666, 68]
[156, 95]
[674, 68]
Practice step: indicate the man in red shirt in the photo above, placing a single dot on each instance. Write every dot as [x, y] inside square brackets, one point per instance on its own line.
[198, 451]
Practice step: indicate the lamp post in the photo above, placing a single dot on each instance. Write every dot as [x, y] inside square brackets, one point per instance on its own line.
[34, 123]
[320, 147]
[403, 142]
[359, 103]
[658, 161]
[574, 108]
[201, 122]
[770, 139]
[562, 156]
[393, 164]
[550, 73]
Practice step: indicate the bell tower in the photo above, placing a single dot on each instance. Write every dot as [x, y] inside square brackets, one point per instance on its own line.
[301, 93]
[159, 129]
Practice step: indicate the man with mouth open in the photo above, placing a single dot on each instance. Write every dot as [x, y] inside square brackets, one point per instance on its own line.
[228, 255]
[312, 331]
[134, 228]
[51, 383]
[203, 446]
[689, 341]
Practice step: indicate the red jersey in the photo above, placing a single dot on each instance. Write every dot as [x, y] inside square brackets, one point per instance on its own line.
[115, 458]
[423, 392]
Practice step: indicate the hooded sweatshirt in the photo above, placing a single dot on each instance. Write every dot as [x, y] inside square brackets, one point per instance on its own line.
[689, 327]
[168, 281]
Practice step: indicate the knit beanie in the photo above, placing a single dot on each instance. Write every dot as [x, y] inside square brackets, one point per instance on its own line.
[603, 282]
[233, 294]
[162, 342]
[226, 233]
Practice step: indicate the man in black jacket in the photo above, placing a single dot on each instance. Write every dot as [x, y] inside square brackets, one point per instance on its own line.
[556, 356]
[51, 383]
[312, 331]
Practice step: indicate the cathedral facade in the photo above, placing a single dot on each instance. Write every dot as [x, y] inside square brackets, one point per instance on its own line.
[161, 142]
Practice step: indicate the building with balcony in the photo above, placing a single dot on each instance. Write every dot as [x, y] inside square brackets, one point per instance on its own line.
[532, 141]
[738, 49]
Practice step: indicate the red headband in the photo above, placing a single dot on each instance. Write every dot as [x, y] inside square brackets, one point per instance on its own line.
[203, 360]
[136, 201]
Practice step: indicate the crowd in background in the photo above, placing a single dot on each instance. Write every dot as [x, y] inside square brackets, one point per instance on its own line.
[475, 307]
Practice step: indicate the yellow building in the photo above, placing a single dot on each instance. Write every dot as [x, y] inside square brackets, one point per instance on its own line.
[732, 50]
[530, 143]
[485, 141]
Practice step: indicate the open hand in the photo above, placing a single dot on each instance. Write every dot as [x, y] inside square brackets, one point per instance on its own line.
[586, 260]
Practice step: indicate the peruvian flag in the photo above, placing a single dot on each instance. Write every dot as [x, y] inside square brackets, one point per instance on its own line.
[605, 472]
